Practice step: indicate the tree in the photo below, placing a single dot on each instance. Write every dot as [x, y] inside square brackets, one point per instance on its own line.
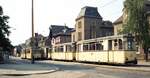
[5, 43]
[137, 23]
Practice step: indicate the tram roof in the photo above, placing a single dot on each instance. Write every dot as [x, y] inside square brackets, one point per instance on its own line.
[103, 38]
[69, 43]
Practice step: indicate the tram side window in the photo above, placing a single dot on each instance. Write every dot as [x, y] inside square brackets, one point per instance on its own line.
[85, 47]
[130, 47]
[92, 46]
[68, 48]
[109, 44]
[120, 44]
[56, 49]
[59, 49]
[130, 44]
[99, 47]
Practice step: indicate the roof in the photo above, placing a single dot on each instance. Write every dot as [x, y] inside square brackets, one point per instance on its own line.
[119, 20]
[88, 11]
[57, 28]
[107, 23]
[65, 32]
[60, 30]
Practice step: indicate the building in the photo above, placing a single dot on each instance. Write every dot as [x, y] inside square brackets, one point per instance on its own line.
[37, 39]
[89, 24]
[60, 34]
[118, 24]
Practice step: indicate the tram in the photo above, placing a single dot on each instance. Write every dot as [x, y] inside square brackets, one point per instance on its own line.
[27, 53]
[62, 52]
[111, 49]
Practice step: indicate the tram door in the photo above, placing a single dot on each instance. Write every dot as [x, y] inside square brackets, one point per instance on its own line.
[110, 51]
[74, 50]
[50, 54]
[46, 56]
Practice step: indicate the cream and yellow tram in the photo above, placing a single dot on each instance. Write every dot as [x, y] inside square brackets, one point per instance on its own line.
[24, 53]
[27, 53]
[62, 52]
[111, 49]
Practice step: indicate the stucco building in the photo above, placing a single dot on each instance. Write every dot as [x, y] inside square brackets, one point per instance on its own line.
[60, 34]
[89, 24]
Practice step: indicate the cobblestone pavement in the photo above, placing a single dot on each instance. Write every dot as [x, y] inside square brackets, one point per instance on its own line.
[82, 70]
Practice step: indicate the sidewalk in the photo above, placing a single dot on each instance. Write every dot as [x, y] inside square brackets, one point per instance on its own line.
[25, 69]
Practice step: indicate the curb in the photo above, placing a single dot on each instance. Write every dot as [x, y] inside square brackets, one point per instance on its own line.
[24, 74]
[125, 68]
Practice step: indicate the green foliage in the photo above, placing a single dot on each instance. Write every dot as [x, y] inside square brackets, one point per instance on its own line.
[136, 21]
[5, 43]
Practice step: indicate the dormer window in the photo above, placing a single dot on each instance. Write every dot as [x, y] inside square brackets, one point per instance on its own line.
[64, 30]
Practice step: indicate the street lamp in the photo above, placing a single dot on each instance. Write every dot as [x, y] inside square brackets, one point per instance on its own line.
[32, 49]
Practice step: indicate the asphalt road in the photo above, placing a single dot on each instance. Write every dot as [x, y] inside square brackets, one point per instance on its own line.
[80, 70]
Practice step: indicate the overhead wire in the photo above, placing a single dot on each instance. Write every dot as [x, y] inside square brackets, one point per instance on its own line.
[112, 1]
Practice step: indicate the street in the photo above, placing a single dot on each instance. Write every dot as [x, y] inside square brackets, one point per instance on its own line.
[80, 70]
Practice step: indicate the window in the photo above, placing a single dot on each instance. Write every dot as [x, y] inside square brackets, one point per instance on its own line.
[85, 47]
[99, 46]
[68, 48]
[130, 44]
[79, 24]
[109, 44]
[115, 42]
[120, 44]
[59, 49]
[79, 36]
[92, 46]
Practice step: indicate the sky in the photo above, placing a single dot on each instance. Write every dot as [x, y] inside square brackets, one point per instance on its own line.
[52, 12]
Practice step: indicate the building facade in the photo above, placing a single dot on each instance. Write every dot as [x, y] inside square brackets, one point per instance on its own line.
[59, 35]
[89, 24]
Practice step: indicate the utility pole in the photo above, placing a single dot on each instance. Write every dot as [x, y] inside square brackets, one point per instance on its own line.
[32, 42]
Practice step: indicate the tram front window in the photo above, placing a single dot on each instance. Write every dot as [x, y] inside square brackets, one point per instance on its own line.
[130, 44]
